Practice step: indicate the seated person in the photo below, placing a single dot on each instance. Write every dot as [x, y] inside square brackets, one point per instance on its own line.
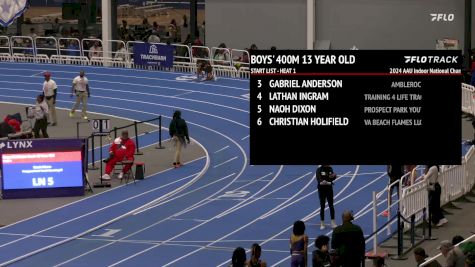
[5, 129]
[204, 66]
[14, 121]
[122, 149]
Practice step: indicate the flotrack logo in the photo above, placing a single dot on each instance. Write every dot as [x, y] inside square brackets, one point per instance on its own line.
[442, 17]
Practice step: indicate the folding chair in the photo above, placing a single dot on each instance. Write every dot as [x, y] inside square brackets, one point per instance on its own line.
[130, 173]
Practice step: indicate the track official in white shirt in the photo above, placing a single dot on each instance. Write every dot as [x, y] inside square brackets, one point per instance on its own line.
[81, 90]
[49, 91]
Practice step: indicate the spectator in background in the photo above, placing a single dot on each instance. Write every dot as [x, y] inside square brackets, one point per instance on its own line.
[239, 258]
[420, 256]
[253, 47]
[245, 56]
[73, 49]
[146, 25]
[255, 260]
[41, 116]
[121, 53]
[123, 30]
[202, 31]
[409, 179]
[172, 30]
[33, 33]
[432, 176]
[321, 255]
[395, 172]
[184, 30]
[454, 256]
[95, 50]
[155, 29]
[348, 240]
[273, 48]
[298, 245]
[153, 38]
[56, 27]
[198, 52]
[221, 55]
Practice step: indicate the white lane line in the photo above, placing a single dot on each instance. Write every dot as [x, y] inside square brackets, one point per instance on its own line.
[219, 150]
[183, 94]
[285, 204]
[235, 231]
[128, 70]
[347, 196]
[227, 137]
[245, 137]
[134, 101]
[152, 242]
[151, 203]
[134, 84]
[129, 235]
[101, 209]
[197, 226]
[298, 200]
[222, 163]
[209, 199]
[34, 75]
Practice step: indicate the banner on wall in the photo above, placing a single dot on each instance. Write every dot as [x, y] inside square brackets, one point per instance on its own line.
[10, 10]
[153, 55]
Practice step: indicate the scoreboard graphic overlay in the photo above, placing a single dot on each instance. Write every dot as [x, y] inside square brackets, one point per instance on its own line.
[42, 168]
[355, 107]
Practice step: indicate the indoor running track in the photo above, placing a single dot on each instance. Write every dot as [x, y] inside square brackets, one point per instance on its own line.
[192, 216]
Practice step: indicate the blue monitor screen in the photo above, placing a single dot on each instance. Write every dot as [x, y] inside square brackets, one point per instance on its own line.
[42, 170]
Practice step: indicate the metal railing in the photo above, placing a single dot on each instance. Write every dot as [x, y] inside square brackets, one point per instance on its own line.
[76, 52]
[440, 258]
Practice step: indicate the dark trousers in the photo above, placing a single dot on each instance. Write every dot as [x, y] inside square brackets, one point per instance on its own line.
[41, 124]
[325, 192]
[434, 204]
[395, 186]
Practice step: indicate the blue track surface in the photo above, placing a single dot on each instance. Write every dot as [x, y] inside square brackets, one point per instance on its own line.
[192, 216]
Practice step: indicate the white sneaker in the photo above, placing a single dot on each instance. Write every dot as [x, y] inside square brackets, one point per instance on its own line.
[442, 222]
[120, 176]
[334, 224]
[106, 177]
[322, 226]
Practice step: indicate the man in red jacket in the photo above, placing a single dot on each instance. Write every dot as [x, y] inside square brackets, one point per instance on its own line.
[122, 149]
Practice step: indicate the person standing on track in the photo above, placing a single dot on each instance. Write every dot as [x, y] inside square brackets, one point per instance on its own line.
[41, 116]
[298, 245]
[255, 260]
[49, 91]
[325, 178]
[178, 132]
[348, 240]
[81, 90]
